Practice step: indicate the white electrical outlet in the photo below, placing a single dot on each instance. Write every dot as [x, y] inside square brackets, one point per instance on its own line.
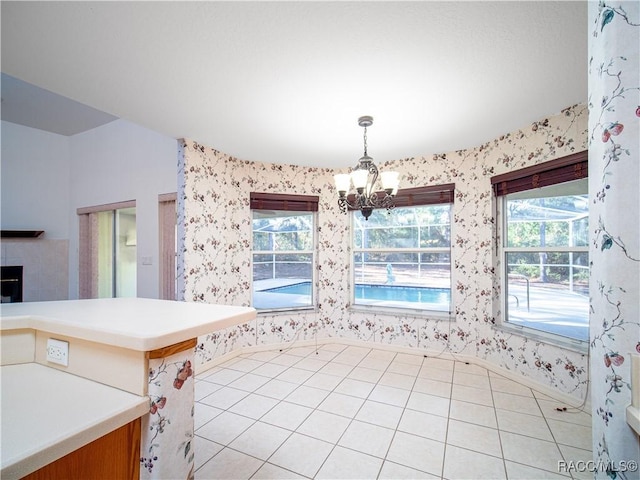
[58, 352]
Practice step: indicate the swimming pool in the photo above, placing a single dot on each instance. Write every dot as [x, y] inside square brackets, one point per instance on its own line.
[403, 294]
[388, 293]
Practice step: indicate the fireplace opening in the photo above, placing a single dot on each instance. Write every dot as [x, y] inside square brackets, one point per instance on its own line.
[11, 280]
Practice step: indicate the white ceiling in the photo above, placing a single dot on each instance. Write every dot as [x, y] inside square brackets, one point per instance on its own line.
[285, 82]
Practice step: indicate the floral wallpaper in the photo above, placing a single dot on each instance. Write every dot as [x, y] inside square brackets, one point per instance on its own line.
[214, 235]
[170, 419]
[614, 175]
[215, 241]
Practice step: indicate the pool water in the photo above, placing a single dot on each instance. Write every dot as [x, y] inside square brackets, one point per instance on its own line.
[403, 294]
[380, 292]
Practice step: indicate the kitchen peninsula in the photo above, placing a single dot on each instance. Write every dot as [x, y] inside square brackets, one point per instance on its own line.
[128, 372]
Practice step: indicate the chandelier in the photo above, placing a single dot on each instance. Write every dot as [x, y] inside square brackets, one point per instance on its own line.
[364, 177]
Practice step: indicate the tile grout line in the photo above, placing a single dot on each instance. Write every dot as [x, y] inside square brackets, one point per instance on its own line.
[546, 421]
[350, 421]
[495, 414]
[404, 408]
[282, 400]
[311, 413]
[301, 423]
[446, 433]
[500, 431]
[365, 400]
[254, 420]
[352, 418]
[395, 431]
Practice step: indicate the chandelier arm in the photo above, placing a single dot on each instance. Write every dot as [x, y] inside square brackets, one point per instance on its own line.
[387, 202]
[373, 171]
[374, 200]
[343, 202]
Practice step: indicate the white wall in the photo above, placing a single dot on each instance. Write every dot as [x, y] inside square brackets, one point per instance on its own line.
[35, 196]
[47, 177]
[35, 181]
[116, 162]
[614, 224]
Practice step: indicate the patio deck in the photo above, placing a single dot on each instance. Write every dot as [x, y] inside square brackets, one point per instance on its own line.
[560, 312]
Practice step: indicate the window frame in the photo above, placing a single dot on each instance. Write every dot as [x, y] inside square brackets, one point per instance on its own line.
[554, 172]
[407, 198]
[295, 205]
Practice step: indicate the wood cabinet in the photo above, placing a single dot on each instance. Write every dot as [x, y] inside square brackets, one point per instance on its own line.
[116, 455]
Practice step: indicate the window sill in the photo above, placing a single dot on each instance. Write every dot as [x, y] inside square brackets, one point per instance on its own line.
[549, 338]
[286, 311]
[397, 311]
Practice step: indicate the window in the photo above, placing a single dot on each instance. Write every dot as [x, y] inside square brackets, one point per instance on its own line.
[402, 258]
[108, 245]
[283, 252]
[545, 252]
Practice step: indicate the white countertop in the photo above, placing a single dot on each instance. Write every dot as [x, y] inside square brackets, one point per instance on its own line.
[47, 414]
[136, 323]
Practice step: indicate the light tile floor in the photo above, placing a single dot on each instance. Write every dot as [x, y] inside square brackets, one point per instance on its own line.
[346, 412]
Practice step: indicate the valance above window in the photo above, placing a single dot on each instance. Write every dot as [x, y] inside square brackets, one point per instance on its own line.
[434, 194]
[560, 170]
[283, 201]
[413, 197]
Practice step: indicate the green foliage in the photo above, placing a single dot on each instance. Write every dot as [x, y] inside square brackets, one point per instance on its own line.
[547, 222]
[411, 227]
[551, 267]
[541, 223]
[285, 232]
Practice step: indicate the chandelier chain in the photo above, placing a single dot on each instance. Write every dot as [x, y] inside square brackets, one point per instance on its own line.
[365, 141]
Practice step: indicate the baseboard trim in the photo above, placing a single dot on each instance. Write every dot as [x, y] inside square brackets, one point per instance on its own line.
[554, 394]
